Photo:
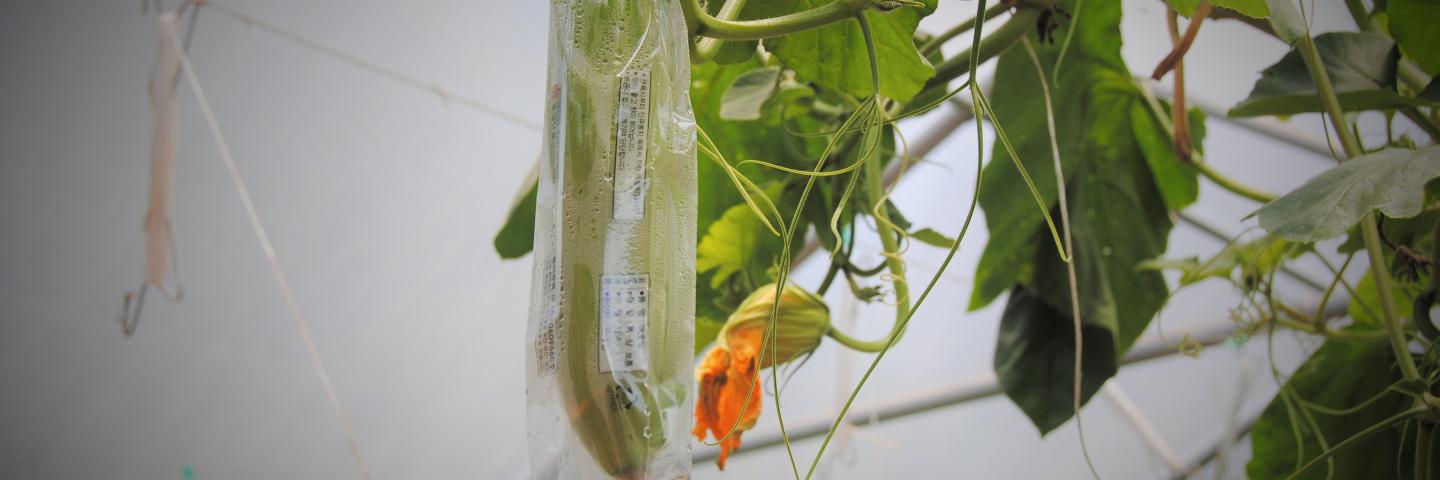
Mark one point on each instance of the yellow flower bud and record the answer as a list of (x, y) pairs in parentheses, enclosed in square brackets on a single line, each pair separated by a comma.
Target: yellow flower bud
[(802, 321)]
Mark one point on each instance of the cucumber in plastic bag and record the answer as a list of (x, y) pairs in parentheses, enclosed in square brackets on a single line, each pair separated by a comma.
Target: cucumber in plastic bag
[(611, 325)]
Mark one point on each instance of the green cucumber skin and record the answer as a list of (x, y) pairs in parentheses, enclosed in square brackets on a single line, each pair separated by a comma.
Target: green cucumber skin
[(626, 441)]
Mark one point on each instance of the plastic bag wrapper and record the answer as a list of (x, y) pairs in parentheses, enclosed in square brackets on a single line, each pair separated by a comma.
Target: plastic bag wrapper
[(611, 329)]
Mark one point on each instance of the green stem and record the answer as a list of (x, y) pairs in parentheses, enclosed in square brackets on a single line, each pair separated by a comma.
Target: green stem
[(1422, 450), (1361, 16), (706, 47), (1230, 184), (1379, 268), (934, 44), (929, 287), (889, 241), (1301, 323), (1328, 100), (1022, 22), (1413, 76), (703, 24), (1197, 159), (1320, 319), (1380, 271), (1359, 437)]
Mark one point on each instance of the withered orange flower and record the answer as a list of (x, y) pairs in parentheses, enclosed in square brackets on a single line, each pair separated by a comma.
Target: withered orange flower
[(726, 378), (727, 375)]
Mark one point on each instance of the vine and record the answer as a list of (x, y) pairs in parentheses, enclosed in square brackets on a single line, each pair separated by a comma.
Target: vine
[(811, 139)]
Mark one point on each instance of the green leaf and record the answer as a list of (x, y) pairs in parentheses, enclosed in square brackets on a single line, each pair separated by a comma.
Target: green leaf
[(1365, 306), (1119, 217), (1178, 183), (705, 332), (1185, 8), (737, 141), (1361, 66), (1117, 222), (1414, 231), (1413, 24), (792, 101), (835, 56), (1391, 181), (1013, 220), (1249, 8), (1286, 20), (1034, 359), (737, 243), (931, 237), (749, 93), (517, 237), (1340, 375), (1254, 259)]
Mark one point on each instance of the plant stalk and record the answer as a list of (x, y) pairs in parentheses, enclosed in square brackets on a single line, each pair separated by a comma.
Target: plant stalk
[(1379, 268), (1229, 184), (706, 47), (1423, 433), (934, 44), (1198, 159), (703, 24), (1020, 23), (875, 190), (1362, 17)]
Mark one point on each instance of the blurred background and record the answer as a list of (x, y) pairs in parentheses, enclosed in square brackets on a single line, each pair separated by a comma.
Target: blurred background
[(382, 199)]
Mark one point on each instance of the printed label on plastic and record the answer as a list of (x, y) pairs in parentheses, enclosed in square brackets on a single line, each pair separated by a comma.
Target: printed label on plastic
[(632, 120), (624, 304)]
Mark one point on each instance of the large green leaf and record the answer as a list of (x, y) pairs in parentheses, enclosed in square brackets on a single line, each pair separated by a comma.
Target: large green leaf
[(748, 94), (1250, 8), (1013, 221), (1391, 181), (1095, 98), (737, 243), (1365, 307), (517, 237), (1361, 67), (1034, 359), (1179, 185), (1414, 23), (1119, 214), (1340, 375), (835, 56)]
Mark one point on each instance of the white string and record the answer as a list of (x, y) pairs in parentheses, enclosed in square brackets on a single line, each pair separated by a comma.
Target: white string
[(264, 239), (402, 78)]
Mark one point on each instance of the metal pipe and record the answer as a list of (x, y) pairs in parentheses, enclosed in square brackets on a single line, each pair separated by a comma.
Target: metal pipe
[(949, 395)]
